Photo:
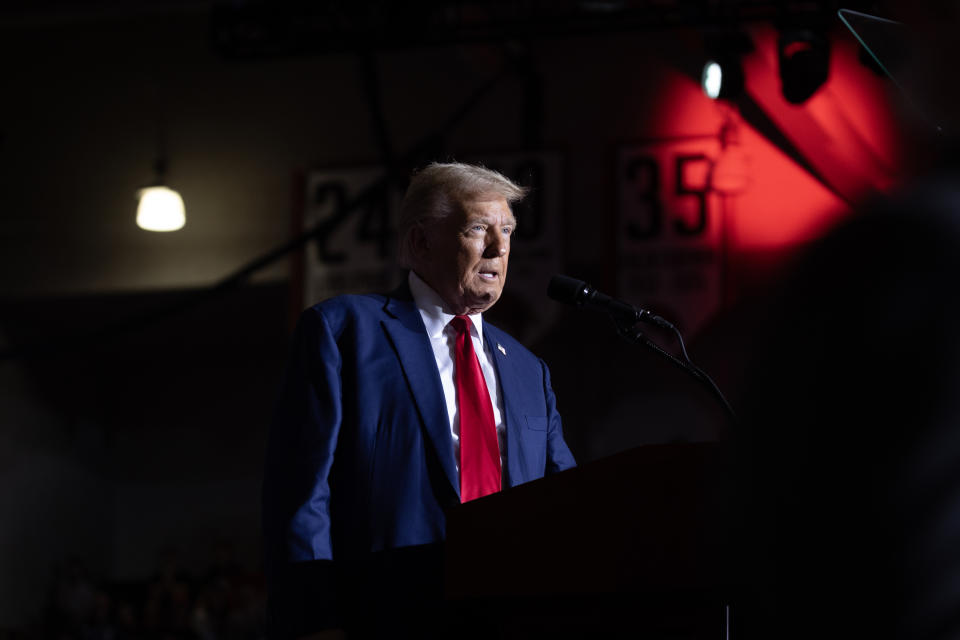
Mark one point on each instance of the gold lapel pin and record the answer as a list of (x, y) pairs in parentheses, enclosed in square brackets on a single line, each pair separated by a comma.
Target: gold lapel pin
[(502, 350)]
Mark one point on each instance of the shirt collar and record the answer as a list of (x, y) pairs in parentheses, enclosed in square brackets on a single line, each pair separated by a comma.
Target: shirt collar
[(431, 307)]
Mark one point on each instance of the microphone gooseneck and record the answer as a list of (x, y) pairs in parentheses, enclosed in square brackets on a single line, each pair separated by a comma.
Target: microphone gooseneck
[(580, 294)]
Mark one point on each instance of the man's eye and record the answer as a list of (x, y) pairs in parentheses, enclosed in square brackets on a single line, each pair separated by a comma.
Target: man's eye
[(507, 230)]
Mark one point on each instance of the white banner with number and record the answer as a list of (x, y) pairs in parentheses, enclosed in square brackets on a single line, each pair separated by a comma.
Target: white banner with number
[(670, 234), (356, 252)]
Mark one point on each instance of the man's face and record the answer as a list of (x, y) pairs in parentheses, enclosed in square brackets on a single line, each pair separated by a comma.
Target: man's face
[(464, 256)]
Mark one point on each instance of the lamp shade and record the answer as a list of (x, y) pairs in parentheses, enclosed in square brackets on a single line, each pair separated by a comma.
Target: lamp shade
[(160, 209)]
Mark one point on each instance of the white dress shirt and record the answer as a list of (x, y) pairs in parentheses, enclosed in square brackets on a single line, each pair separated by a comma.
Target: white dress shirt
[(443, 339)]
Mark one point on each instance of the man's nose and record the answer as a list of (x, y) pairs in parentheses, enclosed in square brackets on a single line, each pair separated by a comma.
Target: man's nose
[(497, 244)]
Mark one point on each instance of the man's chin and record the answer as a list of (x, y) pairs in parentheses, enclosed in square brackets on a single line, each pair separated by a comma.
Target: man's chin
[(483, 299)]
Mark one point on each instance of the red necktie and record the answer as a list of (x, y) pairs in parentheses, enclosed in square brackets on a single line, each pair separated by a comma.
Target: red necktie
[(479, 451)]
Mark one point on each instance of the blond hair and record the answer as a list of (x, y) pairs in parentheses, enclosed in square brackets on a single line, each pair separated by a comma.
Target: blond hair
[(440, 189)]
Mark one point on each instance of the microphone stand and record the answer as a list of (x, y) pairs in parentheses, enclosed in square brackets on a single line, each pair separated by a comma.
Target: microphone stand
[(627, 329)]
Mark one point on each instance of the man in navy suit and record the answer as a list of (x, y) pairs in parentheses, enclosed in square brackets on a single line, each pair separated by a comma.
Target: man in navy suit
[(365, 454)]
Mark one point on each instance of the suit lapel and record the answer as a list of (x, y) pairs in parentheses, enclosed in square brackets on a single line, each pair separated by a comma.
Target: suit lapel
[(513, 418), (406, 332)]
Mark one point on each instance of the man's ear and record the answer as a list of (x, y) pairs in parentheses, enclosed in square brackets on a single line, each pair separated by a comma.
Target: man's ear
[(419, 242)]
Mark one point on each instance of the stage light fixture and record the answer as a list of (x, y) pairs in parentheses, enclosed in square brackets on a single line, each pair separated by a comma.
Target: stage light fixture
[(804, 58), (712, 79), (722, 76)]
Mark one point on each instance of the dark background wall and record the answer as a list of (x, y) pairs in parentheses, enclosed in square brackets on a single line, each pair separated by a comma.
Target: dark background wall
[(118, 445)]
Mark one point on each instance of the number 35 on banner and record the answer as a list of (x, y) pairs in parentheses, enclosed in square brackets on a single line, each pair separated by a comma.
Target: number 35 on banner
[(670, 231)]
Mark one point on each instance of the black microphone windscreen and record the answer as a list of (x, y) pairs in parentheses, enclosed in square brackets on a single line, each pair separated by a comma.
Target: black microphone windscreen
[(566, 289)]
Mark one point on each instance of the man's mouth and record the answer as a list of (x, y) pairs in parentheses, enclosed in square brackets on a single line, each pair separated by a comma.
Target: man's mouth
[(488, 274)]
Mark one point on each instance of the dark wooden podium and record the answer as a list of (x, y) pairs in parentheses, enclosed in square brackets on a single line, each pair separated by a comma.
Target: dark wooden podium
[(635, 542)]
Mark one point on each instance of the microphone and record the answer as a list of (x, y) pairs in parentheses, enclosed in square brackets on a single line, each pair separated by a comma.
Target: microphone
[(580, 294)]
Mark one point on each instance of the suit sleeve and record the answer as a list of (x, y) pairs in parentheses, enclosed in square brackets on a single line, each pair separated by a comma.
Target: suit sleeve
[(558, 454), (296, 489)]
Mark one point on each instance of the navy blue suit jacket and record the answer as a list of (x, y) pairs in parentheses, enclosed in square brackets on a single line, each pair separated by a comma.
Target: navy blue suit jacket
[(360, 457)]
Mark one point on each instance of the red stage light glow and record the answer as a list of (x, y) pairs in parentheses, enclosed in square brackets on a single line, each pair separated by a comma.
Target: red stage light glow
[(776, 204)]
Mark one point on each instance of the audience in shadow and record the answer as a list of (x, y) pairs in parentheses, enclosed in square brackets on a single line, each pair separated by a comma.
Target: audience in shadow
[(225, 603)]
